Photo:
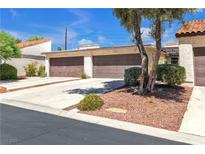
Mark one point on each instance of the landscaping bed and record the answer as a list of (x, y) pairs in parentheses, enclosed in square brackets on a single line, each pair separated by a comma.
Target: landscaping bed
[(163, 109)]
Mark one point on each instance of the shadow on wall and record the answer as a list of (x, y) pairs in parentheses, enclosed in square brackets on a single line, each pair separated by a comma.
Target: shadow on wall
[(107, 86)]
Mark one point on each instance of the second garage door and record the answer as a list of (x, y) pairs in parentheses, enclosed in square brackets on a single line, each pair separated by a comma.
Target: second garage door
[(113, 66), (199, 66), (66, 67)]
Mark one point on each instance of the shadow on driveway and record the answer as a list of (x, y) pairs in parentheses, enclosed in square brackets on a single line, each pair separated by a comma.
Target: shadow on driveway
[(107, 86)]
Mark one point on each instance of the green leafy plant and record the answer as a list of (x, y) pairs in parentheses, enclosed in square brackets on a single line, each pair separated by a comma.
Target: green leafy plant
[(90, 102), (172, 74), (41, 71), (7, 72), (35, 37), (83, 75), (30, 69), (8, 47), (131, 76)]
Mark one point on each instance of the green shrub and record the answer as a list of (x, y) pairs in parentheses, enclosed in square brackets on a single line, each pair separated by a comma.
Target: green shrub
[(131, 75), (90, 102), (7, 72), (172, 74), (41, 71), (30, 69), (83, 75)]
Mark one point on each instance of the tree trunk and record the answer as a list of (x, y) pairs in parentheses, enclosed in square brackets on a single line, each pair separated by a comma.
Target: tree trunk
[(144, 57), (153, 72)]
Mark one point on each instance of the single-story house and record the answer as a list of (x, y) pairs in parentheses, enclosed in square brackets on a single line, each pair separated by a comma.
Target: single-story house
[(191, 39), (31, 52), (107, 62), (172, 53)]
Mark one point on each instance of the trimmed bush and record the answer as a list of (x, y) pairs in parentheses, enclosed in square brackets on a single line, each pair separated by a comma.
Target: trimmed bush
[(41, 71), (172, 74), (30, 69), (7, 72), (83, 75), (131, 76), (90, 102)]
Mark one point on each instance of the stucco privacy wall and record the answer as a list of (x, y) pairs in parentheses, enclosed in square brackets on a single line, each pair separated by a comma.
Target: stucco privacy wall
[(19, 63), (37, 49), (186, 45)]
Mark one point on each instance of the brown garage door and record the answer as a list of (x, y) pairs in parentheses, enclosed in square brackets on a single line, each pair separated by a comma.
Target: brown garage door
[(66, 67), (199, 66), (113, 66)]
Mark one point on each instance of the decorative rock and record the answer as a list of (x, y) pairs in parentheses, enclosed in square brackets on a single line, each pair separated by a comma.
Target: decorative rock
[(116, 110), (3, 89)]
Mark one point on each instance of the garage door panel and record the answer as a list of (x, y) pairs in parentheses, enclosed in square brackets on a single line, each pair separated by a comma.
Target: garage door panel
[(199, 66), (66, 67), (66, 71), (200, 61), (117, 60), (200, 81), (114, 66), (200, 72)]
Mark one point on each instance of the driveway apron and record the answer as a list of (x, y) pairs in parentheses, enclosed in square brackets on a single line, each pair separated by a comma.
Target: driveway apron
[(62, 95)]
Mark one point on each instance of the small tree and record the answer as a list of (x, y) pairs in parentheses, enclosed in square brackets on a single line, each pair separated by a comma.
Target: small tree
[(8, 47), (131, 20), (35, 37), (17, 40), (59, 48)]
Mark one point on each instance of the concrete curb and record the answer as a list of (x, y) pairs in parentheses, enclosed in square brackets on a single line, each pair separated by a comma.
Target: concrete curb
[(127, 126), (40, 85)]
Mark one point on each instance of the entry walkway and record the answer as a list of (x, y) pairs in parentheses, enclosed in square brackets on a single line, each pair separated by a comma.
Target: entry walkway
[(194, 118)]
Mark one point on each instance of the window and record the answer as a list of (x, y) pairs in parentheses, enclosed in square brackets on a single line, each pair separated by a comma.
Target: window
[(174, 60)]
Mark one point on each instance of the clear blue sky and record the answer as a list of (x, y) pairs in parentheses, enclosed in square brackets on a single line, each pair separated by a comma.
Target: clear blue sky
[(85, 26)]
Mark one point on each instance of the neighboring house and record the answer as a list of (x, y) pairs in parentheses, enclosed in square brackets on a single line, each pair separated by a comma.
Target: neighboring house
[(172, 53), (109, 62), (191, 39), (30, 53)]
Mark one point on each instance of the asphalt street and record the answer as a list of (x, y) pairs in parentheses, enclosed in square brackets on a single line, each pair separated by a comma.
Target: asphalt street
[(21, 126)]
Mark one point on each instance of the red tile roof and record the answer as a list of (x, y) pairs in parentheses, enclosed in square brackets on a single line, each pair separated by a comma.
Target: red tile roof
[(31, 43), (195, 27)]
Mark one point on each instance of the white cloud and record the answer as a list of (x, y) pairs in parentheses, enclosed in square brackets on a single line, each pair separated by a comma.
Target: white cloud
[(82, 17), (86, 42), (101, 39), (146, 36), (145, 32)]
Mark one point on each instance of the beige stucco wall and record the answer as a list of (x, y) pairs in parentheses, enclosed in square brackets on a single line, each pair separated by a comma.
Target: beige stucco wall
[(88, 66), (186, 60), (196, 41), (19, 64), (186, 45)]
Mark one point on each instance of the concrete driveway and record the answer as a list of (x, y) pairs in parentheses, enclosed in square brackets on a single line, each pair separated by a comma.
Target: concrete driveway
[(12, 85), (62, 95), (194, 118)]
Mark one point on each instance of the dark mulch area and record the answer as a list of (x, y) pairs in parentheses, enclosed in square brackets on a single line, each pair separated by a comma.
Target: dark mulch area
[(164, 108)]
